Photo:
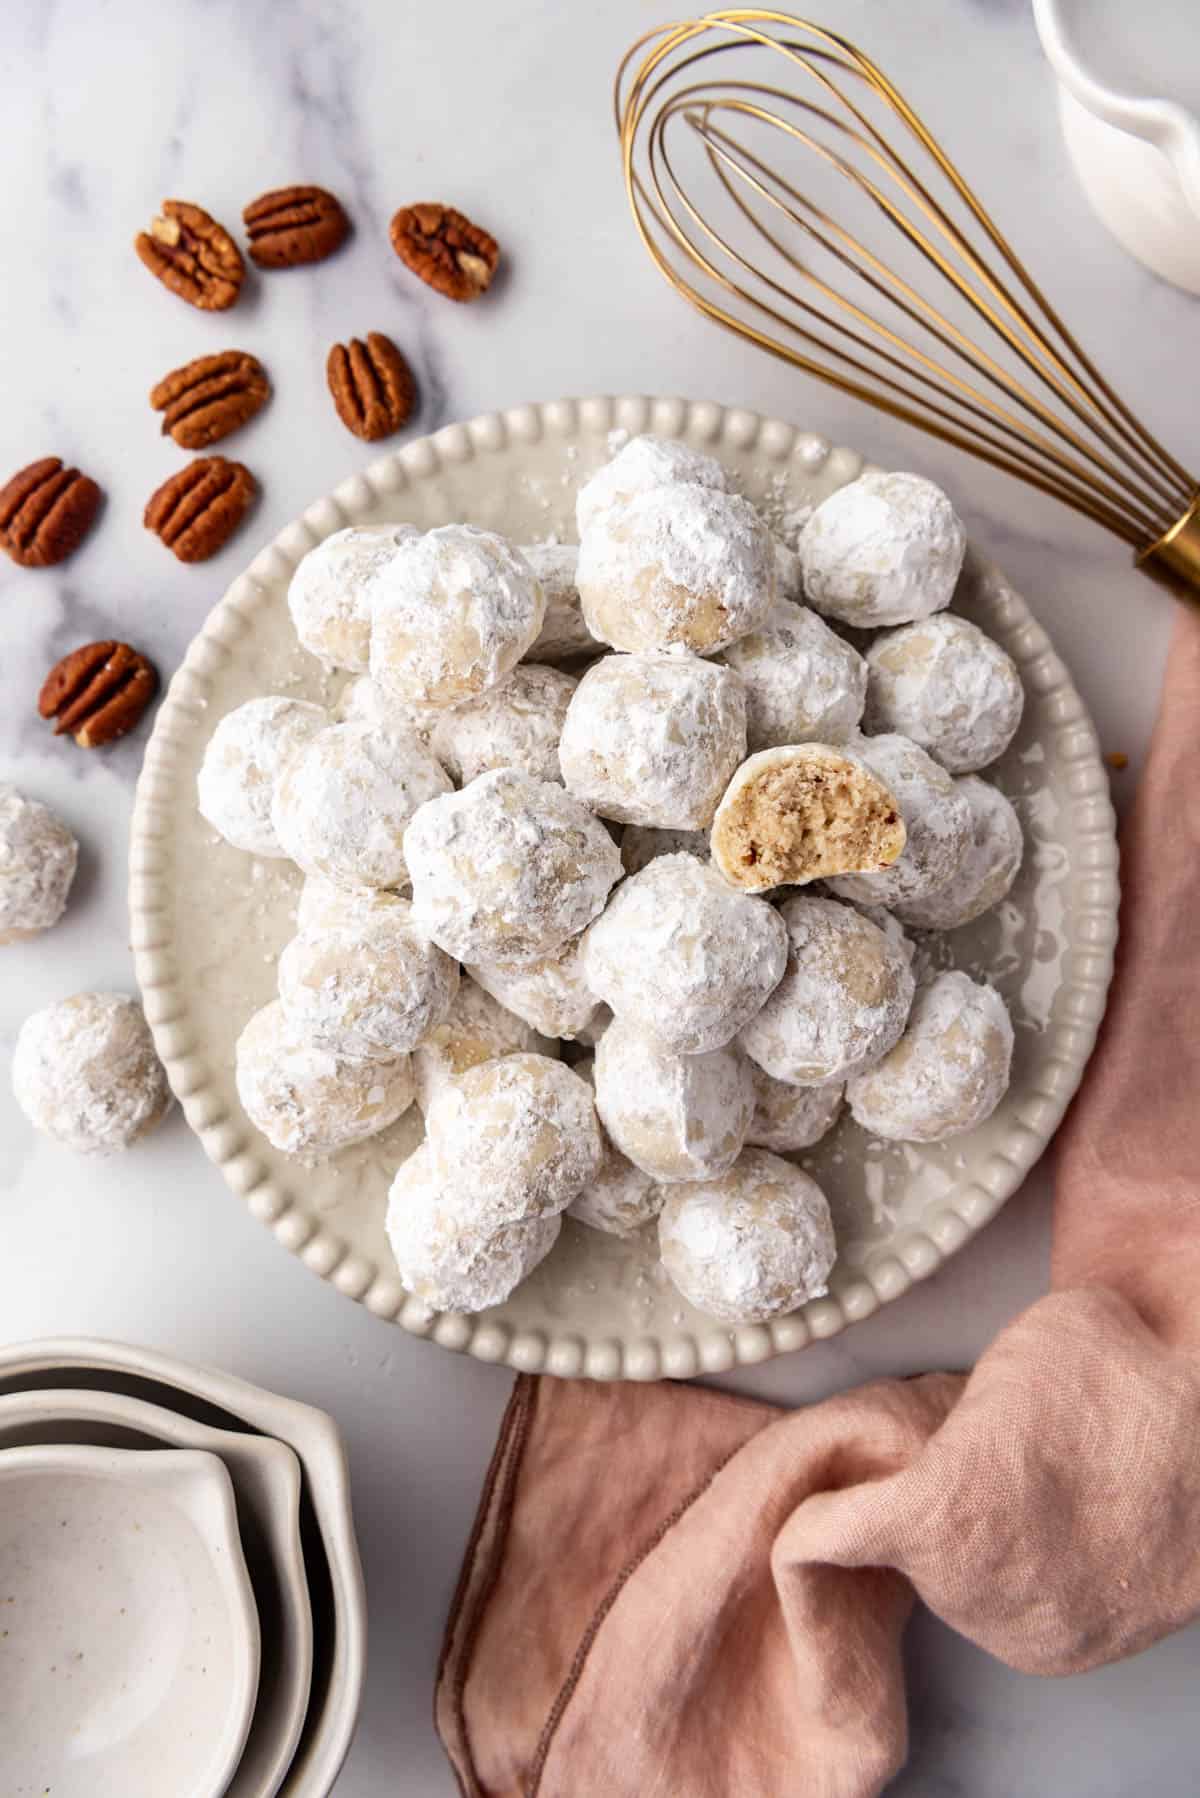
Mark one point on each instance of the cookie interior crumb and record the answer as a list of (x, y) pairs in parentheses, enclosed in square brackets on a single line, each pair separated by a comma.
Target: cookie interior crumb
[(802, 817)]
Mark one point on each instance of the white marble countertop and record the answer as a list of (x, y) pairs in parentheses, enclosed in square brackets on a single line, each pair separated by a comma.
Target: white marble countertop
[(501, 106)]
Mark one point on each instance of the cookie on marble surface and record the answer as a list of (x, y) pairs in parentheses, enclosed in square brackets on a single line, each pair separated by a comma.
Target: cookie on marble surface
[(85, 1072), (38, 858)]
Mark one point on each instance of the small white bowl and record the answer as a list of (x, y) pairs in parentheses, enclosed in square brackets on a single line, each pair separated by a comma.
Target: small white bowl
[(266, 1485), (1129, 104), (130, 1652), (334, 1571)]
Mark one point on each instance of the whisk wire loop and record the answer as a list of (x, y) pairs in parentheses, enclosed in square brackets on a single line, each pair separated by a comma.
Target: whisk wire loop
[(738, 232)]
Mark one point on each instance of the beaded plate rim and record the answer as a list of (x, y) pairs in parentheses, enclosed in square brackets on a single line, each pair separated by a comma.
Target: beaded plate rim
[(229, 1141)]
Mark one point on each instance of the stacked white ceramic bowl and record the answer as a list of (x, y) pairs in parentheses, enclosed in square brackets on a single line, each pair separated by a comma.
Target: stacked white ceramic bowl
[(181, 1601)]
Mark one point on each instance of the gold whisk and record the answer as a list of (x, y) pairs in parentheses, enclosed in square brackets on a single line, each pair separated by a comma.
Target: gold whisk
[(711, 152)]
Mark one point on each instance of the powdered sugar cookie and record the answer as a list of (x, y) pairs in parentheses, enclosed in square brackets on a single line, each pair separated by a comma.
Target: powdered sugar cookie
[(752, 1245), (786, 1117), (677, 1117), (309, 1100), (654, 739), (937, 824), (987, 870), (552, 995), (515, 725), (946, 685), (369, 986), (477, 1028), (327, 595), (639, 466), (564, 634), (619, 1199), (842, 1002), (508, 869), (517, 1138), (684, 957), (243, 761), (345, 799), (38, 857), (676, 567), (803, 683), (443, 1254), (85, 1072), (949, 1070), (885, 549), (452, 613)]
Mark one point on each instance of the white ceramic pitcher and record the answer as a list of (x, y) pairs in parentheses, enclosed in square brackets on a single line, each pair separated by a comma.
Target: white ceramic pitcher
[(1129, 99)]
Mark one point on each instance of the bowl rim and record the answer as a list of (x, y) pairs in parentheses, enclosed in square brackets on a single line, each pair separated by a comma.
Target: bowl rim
[(230, 1142), (198, 1486), (318, 1444), (277, 1480)]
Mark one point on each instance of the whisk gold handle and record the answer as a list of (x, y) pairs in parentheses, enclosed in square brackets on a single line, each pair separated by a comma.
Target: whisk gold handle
[(1175, 558)]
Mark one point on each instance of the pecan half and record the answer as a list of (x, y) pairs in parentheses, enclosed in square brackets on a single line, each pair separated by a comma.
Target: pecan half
[(46, 511), (198, 510), (98, 693), (372, 385), (445, 249), (295, 224), (207, 399), (192, 255)]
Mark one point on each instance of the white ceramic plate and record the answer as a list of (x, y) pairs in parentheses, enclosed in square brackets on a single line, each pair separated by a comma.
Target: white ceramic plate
[(130, 1649), (332, 1568), (208, 922), (266, 1487)]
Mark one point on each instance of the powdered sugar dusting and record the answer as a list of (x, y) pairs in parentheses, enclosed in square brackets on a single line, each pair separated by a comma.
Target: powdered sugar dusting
[(947, 686), (677, 1117), (682, 955), (38, 856), (751, 1245)]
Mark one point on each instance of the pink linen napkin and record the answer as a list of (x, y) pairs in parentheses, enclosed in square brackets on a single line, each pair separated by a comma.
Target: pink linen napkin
[(673, 1593)]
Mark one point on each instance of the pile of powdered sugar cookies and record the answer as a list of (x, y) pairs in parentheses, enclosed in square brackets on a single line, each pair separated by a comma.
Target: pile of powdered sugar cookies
[(611, 854)]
